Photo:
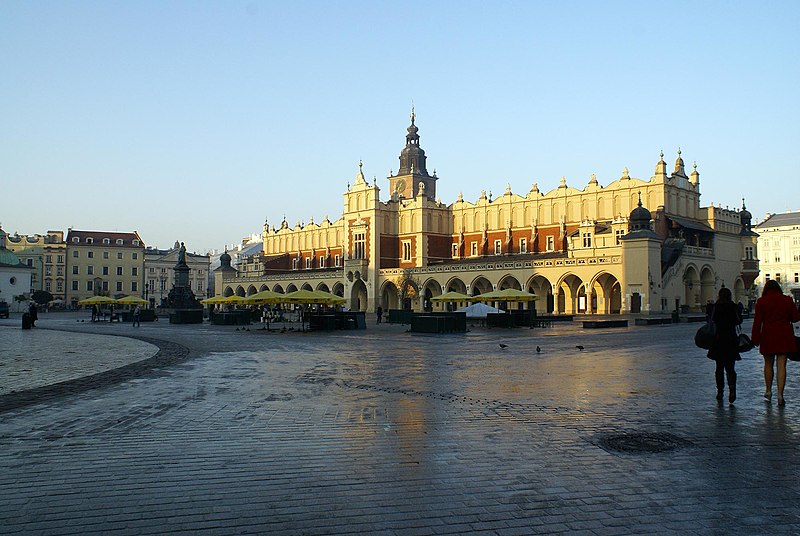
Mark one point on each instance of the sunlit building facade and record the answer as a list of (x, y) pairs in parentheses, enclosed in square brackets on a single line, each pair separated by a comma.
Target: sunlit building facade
[(46, 256), (103, 263), (591, 250), (779, 249)]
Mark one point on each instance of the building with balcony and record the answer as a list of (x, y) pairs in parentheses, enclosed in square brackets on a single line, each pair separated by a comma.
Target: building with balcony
[(160, 276), (588, 250), (779, 251), (103, 263)]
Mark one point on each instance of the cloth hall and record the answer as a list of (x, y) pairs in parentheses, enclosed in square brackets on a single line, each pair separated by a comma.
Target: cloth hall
[(631, 246)]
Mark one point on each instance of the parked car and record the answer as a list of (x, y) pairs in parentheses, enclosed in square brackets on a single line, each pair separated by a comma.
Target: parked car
[(3, 309)]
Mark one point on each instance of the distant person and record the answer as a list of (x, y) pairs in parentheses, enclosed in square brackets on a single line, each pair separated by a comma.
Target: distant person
[(725, 349), (137, 313), (379, 314), (94, 313), (774, 335), (34, 314)]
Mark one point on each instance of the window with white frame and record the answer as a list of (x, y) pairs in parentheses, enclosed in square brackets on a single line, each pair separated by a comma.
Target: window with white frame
[(308, 263), (337, 261), (551, 243), (119, 256), (295, 263), (75, 240), (60, 286), (119, 286), (523, 245), (135, 242), (796, 277), (454, 253), (90, 270), (74, 285), (134, 286), (90, 240), (473, 249), (119, 270), (106, 241), (748, 252), (105, 270), (619, 233), (587, 239), (75, 270), (75, 254), (105, 254), (360, 245), (134, 256), (406, 250), (498, 247), (119, 241), (90, 254), (89, 285), (322, 262)]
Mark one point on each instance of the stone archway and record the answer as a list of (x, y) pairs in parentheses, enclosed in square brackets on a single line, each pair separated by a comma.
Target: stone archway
[(509, 281), (306, 286), (456, 285), (323, 287), (390, 297), (691, 289), (240, 291), (251, 290), (543, 289), (277, 288), (358, 296), (430, 289), (228, 292), (480, 285), (570, 292), (338, 289), (708, 287), (606, 295), (290, 288)]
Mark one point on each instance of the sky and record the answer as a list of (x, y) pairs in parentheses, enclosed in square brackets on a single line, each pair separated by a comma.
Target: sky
[(199, 121)]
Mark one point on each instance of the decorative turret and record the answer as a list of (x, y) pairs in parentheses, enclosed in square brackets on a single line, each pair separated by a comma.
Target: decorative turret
[(694, 178), (747, 218), (679, 169), (661, 168), (640, 218)]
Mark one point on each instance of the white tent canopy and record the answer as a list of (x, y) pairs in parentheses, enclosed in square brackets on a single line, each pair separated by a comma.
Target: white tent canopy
[(479, 310)]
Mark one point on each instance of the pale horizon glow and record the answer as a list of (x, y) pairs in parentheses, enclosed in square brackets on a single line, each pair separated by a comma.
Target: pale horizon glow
[(198, 121)]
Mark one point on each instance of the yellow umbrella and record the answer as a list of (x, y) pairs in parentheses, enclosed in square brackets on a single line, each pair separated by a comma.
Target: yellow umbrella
[(451, 296), (265, 296), (330, 299), (303, 296), (233, 299), (508, 295), (214, 300), (132, 300), (97, 300)]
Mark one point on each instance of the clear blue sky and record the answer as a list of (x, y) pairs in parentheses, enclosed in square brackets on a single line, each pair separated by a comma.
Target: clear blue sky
[(196, 121)]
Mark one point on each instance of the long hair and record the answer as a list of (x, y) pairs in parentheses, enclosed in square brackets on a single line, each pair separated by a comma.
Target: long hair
[(771, 286), (724, 295)]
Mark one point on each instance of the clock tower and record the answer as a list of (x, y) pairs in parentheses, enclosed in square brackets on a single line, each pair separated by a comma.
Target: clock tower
[(412, 170)]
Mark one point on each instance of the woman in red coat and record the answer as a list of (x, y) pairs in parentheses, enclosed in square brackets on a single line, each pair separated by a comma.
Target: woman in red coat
[(773, 333)]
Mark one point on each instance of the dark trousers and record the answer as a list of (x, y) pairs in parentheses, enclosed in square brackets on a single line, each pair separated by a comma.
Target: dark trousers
[(725, 366)]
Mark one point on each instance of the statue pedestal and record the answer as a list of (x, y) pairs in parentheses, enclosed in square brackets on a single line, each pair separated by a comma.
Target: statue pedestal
[(186, 316)]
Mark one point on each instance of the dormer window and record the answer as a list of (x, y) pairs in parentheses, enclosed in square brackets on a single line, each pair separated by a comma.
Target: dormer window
[(119, 241), (135, 242), (106, 241), (90, 240), (75, 240)]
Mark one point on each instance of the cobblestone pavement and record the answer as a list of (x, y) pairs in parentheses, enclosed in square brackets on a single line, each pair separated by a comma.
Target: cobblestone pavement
[(385, 432)]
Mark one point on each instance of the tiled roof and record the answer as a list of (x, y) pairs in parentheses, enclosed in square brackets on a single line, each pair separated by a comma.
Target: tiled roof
[(98, 236), (787, 219)]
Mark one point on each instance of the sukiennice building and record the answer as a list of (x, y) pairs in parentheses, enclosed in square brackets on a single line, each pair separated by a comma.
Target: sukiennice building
[(632, 246)]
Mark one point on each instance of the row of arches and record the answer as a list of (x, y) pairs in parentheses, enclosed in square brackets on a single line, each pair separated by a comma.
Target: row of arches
[(338, 289), (568, 295)]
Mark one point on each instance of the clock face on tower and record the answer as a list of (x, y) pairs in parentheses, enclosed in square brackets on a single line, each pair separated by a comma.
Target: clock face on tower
[(401, 185)]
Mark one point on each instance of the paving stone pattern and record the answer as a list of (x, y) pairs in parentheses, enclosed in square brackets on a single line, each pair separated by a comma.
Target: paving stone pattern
[(385, 432)]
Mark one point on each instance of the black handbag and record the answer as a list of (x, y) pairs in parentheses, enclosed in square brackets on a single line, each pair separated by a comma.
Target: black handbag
[(707, 334), (795, 356), (745, 344)]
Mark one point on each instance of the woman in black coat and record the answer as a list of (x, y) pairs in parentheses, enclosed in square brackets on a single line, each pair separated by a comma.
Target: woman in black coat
[(725, 350)]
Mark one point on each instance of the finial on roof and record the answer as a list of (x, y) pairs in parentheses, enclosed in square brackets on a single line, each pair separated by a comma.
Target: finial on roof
[(460, 196), (640, 199), (413, 115), (662, 154), (508, 188), (625, 174), (593, 179)]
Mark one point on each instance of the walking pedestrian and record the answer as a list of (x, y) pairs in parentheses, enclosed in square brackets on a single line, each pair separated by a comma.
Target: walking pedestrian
[(94, 313), (379, 314), (137, 313), (725, 349), (34, 314), (774, 335)]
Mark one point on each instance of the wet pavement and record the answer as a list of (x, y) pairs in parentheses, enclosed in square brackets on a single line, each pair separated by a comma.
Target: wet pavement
[(386, 432)]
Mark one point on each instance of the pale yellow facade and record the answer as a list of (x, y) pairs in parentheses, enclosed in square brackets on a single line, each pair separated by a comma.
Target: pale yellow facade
[(571, 246), (103, 263)]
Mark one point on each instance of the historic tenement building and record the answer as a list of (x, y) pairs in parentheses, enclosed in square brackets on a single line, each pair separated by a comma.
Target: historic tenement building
[(779, 247), (639, 246), (103, 263), (46, 256)]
